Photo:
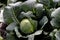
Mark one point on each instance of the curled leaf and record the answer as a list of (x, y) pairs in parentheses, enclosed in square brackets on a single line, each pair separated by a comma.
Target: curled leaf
[(11, 26)]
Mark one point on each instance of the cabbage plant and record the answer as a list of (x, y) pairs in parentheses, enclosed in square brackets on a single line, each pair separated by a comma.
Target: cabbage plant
[(30, 20)]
